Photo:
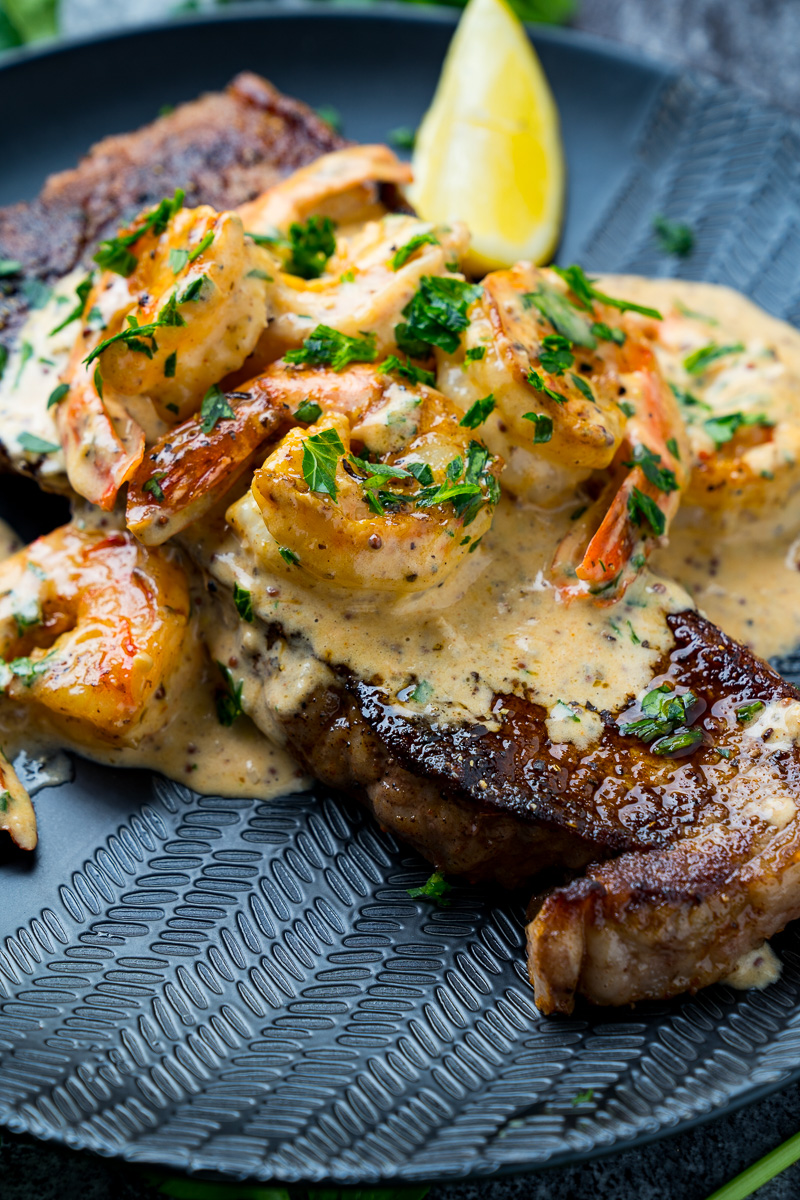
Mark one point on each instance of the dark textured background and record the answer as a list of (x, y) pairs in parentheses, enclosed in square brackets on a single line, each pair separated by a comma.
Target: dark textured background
[(756, 44)]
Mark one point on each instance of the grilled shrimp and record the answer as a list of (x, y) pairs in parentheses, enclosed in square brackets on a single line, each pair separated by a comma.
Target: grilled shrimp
[(345, 186), (570, 393), (17, 817), (91, 626)]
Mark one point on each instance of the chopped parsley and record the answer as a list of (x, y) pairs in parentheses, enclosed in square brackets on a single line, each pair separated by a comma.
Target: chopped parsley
[(372, 475), (136, 336), (627, 408), (409, 371), (36, 445), (57, 395), (674, 237), (661, 477), (115, 255), (746, 712), (436, 315), (435, 888), (98, 381), (402, 138), (153, 485), (321, 454), (475, 354), (229, 699), (178, 259), (722, 429), (28, 615), (215, 407), (583, 387), (681, 740), (36, 292), (583, 1097), (9, 266), (74, 314), (586, 293), (170, 363), (536, 381), (25, 356), (289, 556), (95, 319), (561, 711), (308, 411), (674, 448), (662, 713), (310, 246), (477, 413), (401, 256), (3, 359), (542, 426), (328, 348), (423, 691), (243, 601), (700, 360), (562, 315), (556, 354), (643, 508), (688, 400), (464, 485), (608, 333), (330, 115), (26, 669)]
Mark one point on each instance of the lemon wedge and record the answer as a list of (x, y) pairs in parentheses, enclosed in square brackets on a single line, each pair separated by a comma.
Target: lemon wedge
[(489, 149)]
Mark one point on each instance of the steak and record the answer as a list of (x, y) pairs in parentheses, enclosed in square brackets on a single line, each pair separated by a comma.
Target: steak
[(222, 149)]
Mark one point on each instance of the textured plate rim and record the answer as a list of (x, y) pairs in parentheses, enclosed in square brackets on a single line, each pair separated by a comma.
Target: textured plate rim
[(258, 11)]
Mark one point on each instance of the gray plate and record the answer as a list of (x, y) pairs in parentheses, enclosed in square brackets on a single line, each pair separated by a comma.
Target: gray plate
[(245, 987)]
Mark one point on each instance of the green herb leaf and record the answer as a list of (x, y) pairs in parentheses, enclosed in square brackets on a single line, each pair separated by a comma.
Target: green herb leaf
[(561, 314), (608, 333), (413, 374), (477, 413), (536, 381), (57, 395), (542, 427), (643, 508), (475, 354), (289, 556), (583, 1097), (722, 429), (243, 601), (36, 292), (178, 260), (311, 245), (556, 354), (153, 485), (9, 266), (435, 889), (308, 410), (674, 448), (170, 363), (26, 354), (36, 445), (229, 700), (674, 237), (436, 315), (627, 408), (328, 347), (661, 477), (98, 381), (401, 256), (82, 292), (215, 407), (321, 454), (700, 360), (422, 692), (746, 712), (331, 116), (421, 472), (663, 711), (402, 138), (583, 387), (586, 293), (115, 255), (681, 740)]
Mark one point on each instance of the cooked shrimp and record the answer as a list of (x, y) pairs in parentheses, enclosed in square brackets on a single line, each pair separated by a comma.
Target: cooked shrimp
[(345, 185), (16, 811), (390, 497), (91, 626)]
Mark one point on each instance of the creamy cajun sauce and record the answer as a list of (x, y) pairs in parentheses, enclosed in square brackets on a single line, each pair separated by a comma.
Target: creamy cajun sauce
[(495, 626)]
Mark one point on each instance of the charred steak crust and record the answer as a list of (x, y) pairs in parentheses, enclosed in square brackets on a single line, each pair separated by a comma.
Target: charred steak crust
[(618, 794), (222, 149)]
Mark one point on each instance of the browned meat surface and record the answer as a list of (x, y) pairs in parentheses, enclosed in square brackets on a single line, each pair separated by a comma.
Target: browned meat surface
[(222, 149), (711, 861)]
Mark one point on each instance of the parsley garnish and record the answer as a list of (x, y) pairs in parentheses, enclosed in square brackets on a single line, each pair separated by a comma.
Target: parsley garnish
[(746, 712), (57, 395), (215, 407), (642, 507), (561, 314), (682, 740), (583, 1097), (583, 387), (310, 245), (170, 363), (28, 616), (436, 315), (244, 603), (114, 253), (9, 266), (25, 355), (477, 413), (26, 669), (674, 449), (688, 399), (229, 701), (308, 411), (330, 115), (556, 354), (36, 292), (536, 381), (372, 475), (663, 711), (328, 348), (402, 138), (586, 293), (153, 485), (82, 292), (475, 354), (36, 445), (627, 408), (178, 260), (675, 237), (401, 256), (608, 333), (321, 454), (722, 429), (137, 336), (435, 889), (700, 360), (661, 477), (409, 371), (98, 381), (289, 556), (465, 494), (542, 426), (423, 691), (3, 359)]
